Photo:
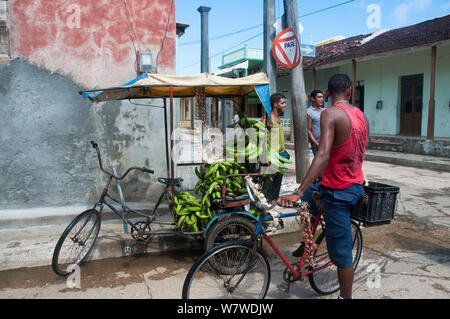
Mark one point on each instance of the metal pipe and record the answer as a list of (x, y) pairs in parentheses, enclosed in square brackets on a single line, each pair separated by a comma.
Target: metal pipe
[(167, 138), (171, 143), (204, 53)]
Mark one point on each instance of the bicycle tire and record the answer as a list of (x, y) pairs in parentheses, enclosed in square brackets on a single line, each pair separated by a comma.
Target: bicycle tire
[(231, 227), (205, 281), (71, 251), (325, 281)]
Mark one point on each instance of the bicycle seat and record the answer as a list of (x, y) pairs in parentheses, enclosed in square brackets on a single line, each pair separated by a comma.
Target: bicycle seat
[(168, 181), (230, 198), (239, 197)]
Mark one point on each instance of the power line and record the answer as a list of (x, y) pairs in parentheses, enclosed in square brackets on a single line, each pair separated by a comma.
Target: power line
[(132, 26), (260, 25), (324, 9), (255, 36), (251, 38), (219, 53), (165, 34), (222, 36)]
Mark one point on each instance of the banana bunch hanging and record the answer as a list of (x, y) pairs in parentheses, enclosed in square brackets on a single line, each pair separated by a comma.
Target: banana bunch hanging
[(255, 149)]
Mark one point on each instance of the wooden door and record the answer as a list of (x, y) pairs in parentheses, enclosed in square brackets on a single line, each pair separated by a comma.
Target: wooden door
[(411, 105)]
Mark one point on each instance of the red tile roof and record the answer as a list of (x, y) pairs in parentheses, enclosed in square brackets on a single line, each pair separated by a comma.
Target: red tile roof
[(424, 33)]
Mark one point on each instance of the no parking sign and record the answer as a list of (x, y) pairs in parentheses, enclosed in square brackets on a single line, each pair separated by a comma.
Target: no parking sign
[(286, 49)]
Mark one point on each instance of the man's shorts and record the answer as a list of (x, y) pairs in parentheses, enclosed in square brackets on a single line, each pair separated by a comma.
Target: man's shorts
[(338, 231)]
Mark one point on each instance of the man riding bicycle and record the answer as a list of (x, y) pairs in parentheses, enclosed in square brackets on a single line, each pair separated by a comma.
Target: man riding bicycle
[(344, 135)]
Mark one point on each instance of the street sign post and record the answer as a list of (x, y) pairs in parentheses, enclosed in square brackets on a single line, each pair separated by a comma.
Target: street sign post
[(286, 49)]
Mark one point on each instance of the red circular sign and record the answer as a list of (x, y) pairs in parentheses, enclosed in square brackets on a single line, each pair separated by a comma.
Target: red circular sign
[(286, 49)]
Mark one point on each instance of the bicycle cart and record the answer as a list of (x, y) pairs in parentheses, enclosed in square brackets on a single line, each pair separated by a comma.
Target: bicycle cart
[(229, 221)]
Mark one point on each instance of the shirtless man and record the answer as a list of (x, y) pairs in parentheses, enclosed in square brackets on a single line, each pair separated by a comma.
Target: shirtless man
[(344, 132)]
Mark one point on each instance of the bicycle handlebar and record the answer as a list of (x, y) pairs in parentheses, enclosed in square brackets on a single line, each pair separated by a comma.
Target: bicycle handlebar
[(143, 169), (147, 170), (260, 206)]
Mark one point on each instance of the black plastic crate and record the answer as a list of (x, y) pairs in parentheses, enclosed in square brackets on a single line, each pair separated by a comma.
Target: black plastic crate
[(378, 204)]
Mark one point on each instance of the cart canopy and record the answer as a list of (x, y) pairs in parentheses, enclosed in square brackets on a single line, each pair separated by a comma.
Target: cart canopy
[(159, 85)]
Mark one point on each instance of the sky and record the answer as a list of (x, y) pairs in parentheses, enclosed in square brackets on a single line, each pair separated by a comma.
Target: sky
[(234, 23)]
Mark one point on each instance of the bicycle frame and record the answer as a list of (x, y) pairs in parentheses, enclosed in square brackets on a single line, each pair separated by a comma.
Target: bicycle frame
[(299, 271), (105, 195), (296, 272)]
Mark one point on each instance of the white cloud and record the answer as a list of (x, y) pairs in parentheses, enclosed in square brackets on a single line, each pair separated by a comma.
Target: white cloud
[(404, 9)]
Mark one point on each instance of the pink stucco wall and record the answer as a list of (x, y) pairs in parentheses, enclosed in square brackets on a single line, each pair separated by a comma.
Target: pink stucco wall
[(89, 40)]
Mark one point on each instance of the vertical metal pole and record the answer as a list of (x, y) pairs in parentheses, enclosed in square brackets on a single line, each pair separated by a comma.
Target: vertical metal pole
[(204, 53), (122, 202), (171, 142), (270, 66), (167, 138), (431, 103)]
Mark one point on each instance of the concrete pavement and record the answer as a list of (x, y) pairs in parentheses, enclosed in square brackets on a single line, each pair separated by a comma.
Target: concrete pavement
[(385, 271), (407, 259)]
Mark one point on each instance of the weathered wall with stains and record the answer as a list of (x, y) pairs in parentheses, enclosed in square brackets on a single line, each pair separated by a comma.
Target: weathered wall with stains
[(90, 41), (46, 159)]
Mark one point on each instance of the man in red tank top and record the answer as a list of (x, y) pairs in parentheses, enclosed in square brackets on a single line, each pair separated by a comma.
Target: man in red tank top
[(343, 140)]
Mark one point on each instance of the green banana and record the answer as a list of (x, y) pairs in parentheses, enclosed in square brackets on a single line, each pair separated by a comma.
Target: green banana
[(259, 124), (285, 160), (212, 170), (197, 172), (213, 185), (236, 184), (184, 212), (181, 221), (194, 223)]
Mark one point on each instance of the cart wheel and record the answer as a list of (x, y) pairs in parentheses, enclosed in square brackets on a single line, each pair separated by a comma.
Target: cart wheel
[(230, 228)]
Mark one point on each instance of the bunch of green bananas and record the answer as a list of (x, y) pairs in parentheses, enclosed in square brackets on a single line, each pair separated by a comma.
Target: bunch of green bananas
[(191, 215), (212, 181), (277, 160), (254, 150)]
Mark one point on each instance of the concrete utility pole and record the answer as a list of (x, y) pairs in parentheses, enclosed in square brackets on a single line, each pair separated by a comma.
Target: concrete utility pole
[(298, 100), (270, 66), (204, 54)]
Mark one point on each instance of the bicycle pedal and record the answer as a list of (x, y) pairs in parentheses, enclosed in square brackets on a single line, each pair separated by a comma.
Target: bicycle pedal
[(284, 287), (127, 249)]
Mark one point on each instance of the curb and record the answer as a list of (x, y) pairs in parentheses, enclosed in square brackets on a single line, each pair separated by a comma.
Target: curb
[(404, 161), (34, 246)]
